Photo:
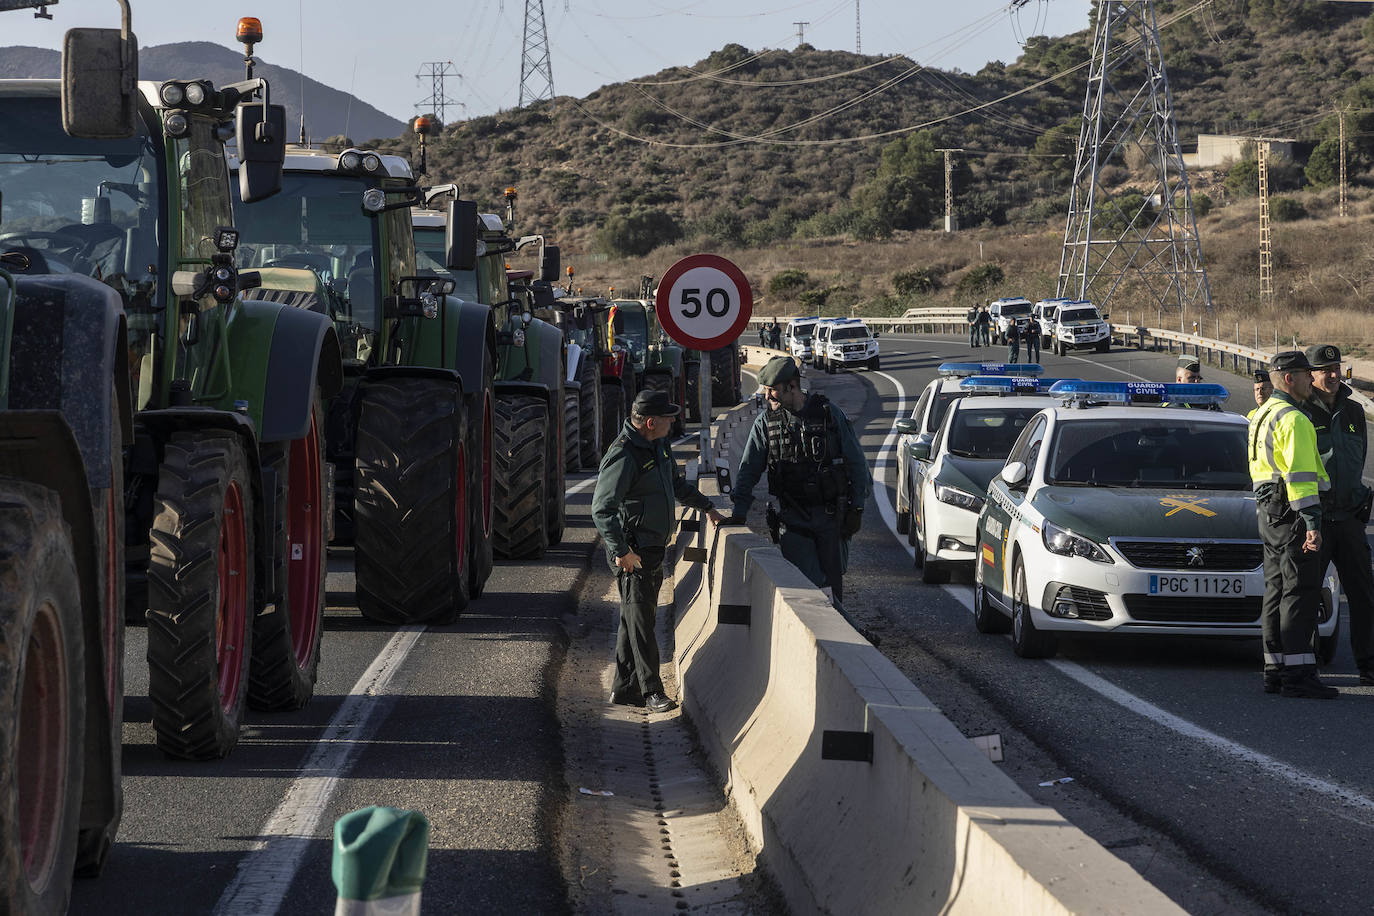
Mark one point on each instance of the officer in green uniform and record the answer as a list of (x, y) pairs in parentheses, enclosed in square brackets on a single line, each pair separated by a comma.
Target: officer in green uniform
[(816, 471), (1188, 370), (1342, 441), (1288, 477), (633, 508)]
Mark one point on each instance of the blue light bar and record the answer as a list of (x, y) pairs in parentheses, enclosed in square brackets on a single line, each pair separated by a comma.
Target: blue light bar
[(1004, 384), (1197, 395), (963, 370)]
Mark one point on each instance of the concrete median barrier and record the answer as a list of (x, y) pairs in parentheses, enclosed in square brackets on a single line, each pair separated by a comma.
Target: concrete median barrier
[(858, 794)]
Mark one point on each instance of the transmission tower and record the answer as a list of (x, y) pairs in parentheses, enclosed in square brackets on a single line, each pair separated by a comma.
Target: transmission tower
[(1127, 106), (858, 35), (438, 101), (536, 73), (801, 32)]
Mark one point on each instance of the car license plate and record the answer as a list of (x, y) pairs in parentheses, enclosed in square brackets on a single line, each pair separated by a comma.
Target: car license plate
[(1203, 586)]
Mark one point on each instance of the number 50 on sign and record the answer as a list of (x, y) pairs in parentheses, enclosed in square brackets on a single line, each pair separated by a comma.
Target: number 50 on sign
[(704, 302)]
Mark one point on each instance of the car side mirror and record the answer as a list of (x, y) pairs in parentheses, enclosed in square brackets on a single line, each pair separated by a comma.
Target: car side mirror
[(460, 235), (1014, 474), (920, 449), (877, 334), (260, 131), (99, 84), (1106, 315), (907, 426)]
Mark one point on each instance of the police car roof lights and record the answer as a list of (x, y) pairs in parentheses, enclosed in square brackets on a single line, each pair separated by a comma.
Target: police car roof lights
[(963, 370), (1196, 395), (1004, 384)]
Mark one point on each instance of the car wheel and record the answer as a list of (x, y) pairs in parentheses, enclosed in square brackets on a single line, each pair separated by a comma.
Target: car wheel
[(986, 618), (1104, 345), (914, 539), (1026, 640)]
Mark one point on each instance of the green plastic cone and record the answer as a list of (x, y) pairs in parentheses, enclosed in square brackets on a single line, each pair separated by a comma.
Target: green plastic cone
[(379, 861)]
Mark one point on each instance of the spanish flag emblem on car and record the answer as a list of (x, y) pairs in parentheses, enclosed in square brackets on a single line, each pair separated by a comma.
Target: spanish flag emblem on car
[(988, 556)]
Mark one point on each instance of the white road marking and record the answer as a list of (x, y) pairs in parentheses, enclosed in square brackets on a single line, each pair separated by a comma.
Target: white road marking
[(581, 485), (1349, 804), (265, 875)]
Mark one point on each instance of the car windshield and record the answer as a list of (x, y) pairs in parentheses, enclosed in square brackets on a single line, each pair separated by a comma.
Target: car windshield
[(1079, 315), (1048, 312), (1016, 310), (986, 433), (1165, 452), (429, 261), (849, 333), (803, 331)]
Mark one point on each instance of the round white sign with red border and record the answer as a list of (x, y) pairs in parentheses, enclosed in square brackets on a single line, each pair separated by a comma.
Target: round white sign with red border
[(704, 302)]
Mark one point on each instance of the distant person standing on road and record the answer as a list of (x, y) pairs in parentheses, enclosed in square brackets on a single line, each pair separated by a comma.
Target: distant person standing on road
[(1342, 442), (1032, 335), (816, 470), (633, 508), (985, 326), (972, 319), (774, 333), (1013, 342), (1288, 476), (1188, 371), (1263, 389)]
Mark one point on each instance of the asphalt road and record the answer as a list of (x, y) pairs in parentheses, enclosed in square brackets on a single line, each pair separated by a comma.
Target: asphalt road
[(1229, 799)]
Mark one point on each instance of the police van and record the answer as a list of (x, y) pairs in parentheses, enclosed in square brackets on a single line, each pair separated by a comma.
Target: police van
[(846, 343), (1113, 514), (1007, 312), (1078, 326), (1044, 312), (800, 332)]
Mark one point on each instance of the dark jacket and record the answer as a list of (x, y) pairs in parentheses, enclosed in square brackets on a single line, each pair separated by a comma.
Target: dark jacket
[(1342, 442), (633, 505)]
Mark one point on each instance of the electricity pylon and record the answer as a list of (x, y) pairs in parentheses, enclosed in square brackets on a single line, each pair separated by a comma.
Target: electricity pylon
[(438, 101), (1127, 106), (536, 73)]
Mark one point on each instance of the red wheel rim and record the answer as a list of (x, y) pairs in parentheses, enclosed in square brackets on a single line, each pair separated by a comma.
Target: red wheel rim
[(460, 509), (304, 541), (231, 619), (42, 746), (112, 615), (488, 457)]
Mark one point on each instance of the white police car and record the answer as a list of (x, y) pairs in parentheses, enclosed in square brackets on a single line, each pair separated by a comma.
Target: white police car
[(800, 332), (847, 344), (949, 477), (1078, 326), (930, 410), (1007, 312), (1044, 313), (1110, 517)]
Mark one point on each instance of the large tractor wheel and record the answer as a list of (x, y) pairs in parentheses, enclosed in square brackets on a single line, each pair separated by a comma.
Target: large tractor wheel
[(519, 530), (555, 486), (572, 428), (612, 414), (589, 436), (286, 638), (200, 594), (482, 498), (42, 702), (411, 505)]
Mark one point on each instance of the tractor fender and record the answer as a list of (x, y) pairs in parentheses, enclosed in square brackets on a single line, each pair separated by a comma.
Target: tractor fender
[(546, 341), (475, 346), (533, 389), (291, 377), (73, 341), (394, 372)]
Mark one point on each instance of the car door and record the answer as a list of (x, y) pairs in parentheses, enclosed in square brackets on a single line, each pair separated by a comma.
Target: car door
[(1001, 518), (920, 475), (904, 458)]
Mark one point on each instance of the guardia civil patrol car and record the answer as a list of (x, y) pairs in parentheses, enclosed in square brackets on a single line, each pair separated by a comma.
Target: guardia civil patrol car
[(930, 410), (1078, 326), (948, 478), (1113, 517)]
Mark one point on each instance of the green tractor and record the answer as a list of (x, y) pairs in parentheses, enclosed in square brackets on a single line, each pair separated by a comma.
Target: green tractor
[(157, 445), (530, 454), (413, 434), (658, 362), (605, 393)]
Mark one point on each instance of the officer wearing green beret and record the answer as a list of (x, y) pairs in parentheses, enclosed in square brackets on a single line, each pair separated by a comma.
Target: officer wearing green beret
[(1342, 442), (816, 471), (633, 508), (1188, 370)]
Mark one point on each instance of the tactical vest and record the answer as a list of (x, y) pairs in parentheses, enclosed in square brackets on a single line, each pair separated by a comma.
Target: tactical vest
[(805, 464)]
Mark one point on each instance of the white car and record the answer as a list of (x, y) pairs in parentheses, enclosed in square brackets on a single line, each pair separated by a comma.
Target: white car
[(1079, 326), (1044, 312), (798, 338), (1006, 312), (949, 477), (1110, 517), (847, 344), (930, 410), (818, 340)]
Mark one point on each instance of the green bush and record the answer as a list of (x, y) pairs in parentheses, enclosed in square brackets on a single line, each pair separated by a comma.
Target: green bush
[(1202, 205), (636, 234), (980, 280), (813, 300), (1324, 165), (788, 282), (724, 225), (917, 281), (1286, 210)]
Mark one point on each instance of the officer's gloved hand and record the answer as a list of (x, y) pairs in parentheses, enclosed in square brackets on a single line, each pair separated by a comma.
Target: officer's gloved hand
[(853, 521)]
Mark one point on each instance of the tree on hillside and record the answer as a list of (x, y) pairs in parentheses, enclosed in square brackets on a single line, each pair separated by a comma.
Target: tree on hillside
[(1056, 148), (908, 190)]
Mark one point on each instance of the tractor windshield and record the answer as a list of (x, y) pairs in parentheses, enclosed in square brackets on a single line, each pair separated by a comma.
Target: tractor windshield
[(429, 260), (631, 329)]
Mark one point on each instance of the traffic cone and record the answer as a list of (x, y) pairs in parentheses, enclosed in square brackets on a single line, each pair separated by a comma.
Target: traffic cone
[(379, 861)]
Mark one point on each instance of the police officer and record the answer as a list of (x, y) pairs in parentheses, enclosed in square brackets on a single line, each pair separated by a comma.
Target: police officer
[(816, 471), (1288, 477), (1188, 371), (1013, 342), (984, 326), (1263, 389), (972, 318), (774, 333), (1342, 442), (1031, 333), (633, 508)]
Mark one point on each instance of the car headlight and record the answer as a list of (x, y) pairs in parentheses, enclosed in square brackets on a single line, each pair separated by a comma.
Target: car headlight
[(1064, 542), (957, 497)]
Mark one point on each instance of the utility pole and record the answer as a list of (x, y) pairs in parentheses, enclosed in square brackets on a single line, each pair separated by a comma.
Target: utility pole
[(949, 188), (858, 43), (801, 32), (438, 103), (1127, 105), (1340, 117), (536, 73), (1266, 249)]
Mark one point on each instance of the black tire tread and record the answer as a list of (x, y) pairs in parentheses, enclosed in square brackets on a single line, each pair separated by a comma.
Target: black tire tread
[(572, 428), (519, 528)]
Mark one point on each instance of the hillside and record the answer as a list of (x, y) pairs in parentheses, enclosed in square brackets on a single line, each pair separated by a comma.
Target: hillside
[(329, 112)]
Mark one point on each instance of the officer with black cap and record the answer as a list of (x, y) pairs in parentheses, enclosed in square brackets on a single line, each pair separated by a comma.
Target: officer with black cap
[(633, 508), (816, 471), (1342, 441), (1289, 477)]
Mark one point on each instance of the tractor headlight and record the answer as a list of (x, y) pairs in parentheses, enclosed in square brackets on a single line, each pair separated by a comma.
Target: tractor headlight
[(1065, 543), (195, 94), (176, 124), (172, 94), (372, 162), (349, 160), (374, 199)]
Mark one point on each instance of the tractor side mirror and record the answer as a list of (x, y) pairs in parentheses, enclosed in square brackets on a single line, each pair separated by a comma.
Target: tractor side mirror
[(551, 263), (460, 235), (99, 84), (260, 131)]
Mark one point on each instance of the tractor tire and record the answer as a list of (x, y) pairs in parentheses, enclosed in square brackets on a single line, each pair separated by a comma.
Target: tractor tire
[(42, 701), (410, 504), (555, 486), (612, 415), (481, 495), (286, 638), (200, 594), (590, 438), (519, 529), (692, 407), (572, 429)]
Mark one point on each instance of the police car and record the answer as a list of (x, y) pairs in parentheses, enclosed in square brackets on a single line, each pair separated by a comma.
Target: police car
[(799, 335), (1007, 312), (1078, 326), (930, 410), (847, 344), (1112, 517), (949, 477), (1044, 313)]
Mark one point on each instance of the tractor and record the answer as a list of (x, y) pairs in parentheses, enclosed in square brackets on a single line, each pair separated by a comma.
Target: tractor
[(657, 361), (600, 403)]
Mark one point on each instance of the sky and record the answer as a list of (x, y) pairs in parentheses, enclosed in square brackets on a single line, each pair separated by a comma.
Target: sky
[(354, 46)]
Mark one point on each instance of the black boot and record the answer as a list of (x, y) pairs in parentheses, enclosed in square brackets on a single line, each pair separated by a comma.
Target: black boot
[(1304, 684), (1273, 679)]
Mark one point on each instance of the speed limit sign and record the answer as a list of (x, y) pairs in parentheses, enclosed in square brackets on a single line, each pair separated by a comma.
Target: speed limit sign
[(704, 302)]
